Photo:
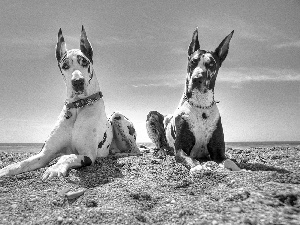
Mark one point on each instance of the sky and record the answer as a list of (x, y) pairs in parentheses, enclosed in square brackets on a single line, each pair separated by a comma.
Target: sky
[(140, 59)]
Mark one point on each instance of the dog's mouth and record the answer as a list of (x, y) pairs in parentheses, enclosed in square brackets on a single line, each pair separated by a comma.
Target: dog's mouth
[(78, 86), (199, 84), (78, 92)]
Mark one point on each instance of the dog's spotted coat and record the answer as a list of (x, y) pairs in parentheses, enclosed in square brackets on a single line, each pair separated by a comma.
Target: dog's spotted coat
[(194, 131), (83, 132)]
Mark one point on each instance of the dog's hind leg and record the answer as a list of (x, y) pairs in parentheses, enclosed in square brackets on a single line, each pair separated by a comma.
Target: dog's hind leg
[(124, 136), (156, 132)]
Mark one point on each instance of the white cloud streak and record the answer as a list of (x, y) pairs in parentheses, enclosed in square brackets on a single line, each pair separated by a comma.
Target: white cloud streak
[(245, 75), (293, 44), (241, 75)]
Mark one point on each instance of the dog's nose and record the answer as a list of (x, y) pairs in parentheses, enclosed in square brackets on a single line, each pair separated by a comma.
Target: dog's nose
[(198, 80), (78, 84)]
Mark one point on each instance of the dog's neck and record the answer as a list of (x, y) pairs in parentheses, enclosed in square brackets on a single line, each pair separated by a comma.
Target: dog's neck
[(199, 99), (85, 101)]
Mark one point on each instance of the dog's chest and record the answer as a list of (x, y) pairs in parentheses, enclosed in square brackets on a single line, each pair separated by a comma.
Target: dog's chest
[(201, 124)]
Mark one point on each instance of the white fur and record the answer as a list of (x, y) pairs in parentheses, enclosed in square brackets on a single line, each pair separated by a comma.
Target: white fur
[(201, 99)]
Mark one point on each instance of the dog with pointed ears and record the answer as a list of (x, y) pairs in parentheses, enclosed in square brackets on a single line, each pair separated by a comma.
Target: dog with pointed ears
[(83, 132), (194, 132)]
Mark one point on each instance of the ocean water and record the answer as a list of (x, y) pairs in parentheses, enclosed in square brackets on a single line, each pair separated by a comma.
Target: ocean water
[(21, 147), (36, 147)]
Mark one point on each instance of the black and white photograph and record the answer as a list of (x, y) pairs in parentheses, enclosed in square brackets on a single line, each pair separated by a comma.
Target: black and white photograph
[(150, 112)]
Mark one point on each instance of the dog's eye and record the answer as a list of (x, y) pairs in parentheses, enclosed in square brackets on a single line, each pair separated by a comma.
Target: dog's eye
[(194, 61), (210, 65), (65, 66), (84, 62)]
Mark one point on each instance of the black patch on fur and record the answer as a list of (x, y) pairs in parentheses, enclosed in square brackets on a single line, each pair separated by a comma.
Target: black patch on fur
[(117, 117), (173, 132), (204, 116), (131, 130), (185, 138), (107, 146), (103, 140), (86, 161), (216, 145)]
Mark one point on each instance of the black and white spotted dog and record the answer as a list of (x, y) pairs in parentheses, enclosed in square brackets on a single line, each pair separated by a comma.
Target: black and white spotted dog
[(194, 131), (83, 132)]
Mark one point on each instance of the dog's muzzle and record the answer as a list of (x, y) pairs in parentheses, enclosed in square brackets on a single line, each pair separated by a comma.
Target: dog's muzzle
[(78, 85), (77, 81), (199, 81)]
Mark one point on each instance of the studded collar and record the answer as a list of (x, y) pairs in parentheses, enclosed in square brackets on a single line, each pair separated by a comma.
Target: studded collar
[(185, 98), (85, 101), (81, 103)]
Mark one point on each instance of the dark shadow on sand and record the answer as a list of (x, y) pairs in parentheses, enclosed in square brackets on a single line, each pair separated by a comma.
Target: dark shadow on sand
[(261, 167), (104, 170)]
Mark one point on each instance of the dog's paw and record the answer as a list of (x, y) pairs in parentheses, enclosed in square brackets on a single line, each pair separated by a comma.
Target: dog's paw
[(230, 165), (160, 153), (135, 150), (57, 170), (196, 169)]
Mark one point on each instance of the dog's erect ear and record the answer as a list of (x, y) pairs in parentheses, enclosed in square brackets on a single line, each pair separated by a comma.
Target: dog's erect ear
[(85, 45), (194, 45), (222, 49), (61, 48)]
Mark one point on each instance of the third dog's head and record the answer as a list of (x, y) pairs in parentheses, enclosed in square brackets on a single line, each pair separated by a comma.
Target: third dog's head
[(77, 67), (203, 66)]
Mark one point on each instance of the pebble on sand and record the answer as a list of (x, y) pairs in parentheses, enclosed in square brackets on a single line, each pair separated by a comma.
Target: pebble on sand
[(59, 219), (236, 209), (75, 194), (63, 192)]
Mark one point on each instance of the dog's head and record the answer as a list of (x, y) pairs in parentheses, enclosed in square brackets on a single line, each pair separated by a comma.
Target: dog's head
[(203, 66), (77, 67)]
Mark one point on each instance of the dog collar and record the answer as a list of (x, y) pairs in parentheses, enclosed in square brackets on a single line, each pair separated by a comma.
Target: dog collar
[(199, 106), (82, 102)]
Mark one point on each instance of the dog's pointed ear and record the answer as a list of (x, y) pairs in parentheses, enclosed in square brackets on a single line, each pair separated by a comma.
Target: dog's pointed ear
[(85, 45), (61, 47), (222, 49), (194, 45)]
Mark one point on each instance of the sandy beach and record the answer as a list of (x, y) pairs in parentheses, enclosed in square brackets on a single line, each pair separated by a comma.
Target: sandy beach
[(146, 190)]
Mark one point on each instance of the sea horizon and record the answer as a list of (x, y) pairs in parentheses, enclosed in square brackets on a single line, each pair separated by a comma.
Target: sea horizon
[(36, 147)]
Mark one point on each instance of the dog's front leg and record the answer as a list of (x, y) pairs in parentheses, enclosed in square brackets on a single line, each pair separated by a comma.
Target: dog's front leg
[(65, 163), (185, 141), (185, 160), (216, 149), (83, 152), (56, 141), (32, 163)]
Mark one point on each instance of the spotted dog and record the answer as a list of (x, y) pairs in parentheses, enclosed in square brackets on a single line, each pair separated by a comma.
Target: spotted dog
[(194, 132), (83, 132)]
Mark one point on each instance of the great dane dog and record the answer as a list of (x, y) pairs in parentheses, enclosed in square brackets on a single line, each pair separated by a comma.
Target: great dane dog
[(194, 131), (83, 132)]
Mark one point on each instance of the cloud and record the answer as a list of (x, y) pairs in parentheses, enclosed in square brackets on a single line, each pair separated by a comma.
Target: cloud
[(236, 76), (259, 32), (172, 83), (291, 44), (170, 79), (246, 75)]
